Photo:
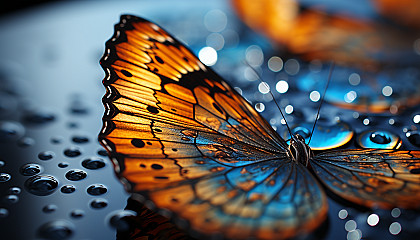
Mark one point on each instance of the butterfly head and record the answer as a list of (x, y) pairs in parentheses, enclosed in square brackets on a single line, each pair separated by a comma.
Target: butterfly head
[(299, 150)]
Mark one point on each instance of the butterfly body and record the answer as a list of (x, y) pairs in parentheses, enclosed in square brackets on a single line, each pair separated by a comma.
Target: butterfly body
[(182, 138)]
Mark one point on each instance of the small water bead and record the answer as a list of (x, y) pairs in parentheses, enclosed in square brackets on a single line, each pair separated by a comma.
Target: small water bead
[(63, 164), (103, 152), (1, 163), (56, 140), (39, 117), (96, 189), (4, 177), (26, 142), (93, 163), (15, 190), (72, 152), (10, 131), (379, 139), (413, 137), (77, 213), (11, 199), (49, 208), (342, 214), (79, 108), (41, 185), (120, 219), (396, 212), (373, 219), (57, 229), (80, 139), (68, 189), (350, 225), (4, 212), (98, 203), (76, 175), (30, 169), (354, 235), (416, 118), (47, 155)]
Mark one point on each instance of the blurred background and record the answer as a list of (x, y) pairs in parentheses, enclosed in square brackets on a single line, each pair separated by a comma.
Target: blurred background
[(56, 181)]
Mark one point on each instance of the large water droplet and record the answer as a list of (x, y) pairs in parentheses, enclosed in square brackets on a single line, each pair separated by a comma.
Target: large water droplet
[(4, 177), (98, 203), (93, 163), (10, 131), (58, 229), (41, 185), (68, 189), (97, 189), (378, 139), (76, 175), (30, 169), (72, 152)]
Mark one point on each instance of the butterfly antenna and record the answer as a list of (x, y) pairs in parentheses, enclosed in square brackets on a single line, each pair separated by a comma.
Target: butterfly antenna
[(271, 93), (322, 99)]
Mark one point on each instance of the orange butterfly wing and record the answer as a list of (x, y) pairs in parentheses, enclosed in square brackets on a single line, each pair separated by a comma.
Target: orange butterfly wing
[(373, 178), (180, 136)]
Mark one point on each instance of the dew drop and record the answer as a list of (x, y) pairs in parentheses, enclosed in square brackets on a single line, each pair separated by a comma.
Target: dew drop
[(47, 155), (93, 163), (98, 203), (57, 229), (15, 190), (68, 189), (373, 219), (4, 212), (30, 169), (96, 189), (342, 214), (4, 177), (41, 185), (56, 140), (414, 138), (10, 131), (26, 142), (395, 228), (72, 152), (76, 175), (102, 152), (39, 117), (138, 143), (11, 199), (80, 139), (77, 213), (63, 164), (396, 212), (49, 208)]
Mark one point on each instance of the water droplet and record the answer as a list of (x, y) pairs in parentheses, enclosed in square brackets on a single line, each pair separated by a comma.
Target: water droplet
[(49, 208), (10, 131), (282, 86), (103, 152), (77, 213), (79, 108), (26, 142), (47, 155), (76, 175), (98, 203), (275, 64), (416, 118), (68, 189), (396, 212), (11, 199), (121, 220), (41, 185), (1, 163), (56, 140), (413, 137), (80, 139), (72, 152), (350, 225), (4, 177), (63, 164), (58, 229), (15, 190), (93, 163), (30, 169), (342, 214), (97, 189), (379, 137), (4, 212), (38, 117)]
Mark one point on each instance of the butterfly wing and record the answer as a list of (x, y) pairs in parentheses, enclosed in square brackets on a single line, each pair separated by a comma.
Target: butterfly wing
[(182, 137), (372, 177)]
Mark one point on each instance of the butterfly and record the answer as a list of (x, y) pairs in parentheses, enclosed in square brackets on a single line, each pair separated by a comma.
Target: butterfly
[(183, 140)]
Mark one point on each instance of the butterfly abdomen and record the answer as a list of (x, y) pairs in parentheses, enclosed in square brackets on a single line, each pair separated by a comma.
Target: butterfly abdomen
[(299, 151)]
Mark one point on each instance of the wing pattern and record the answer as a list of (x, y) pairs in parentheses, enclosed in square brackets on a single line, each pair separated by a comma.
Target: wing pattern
[(183, 138), (373, 178)]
